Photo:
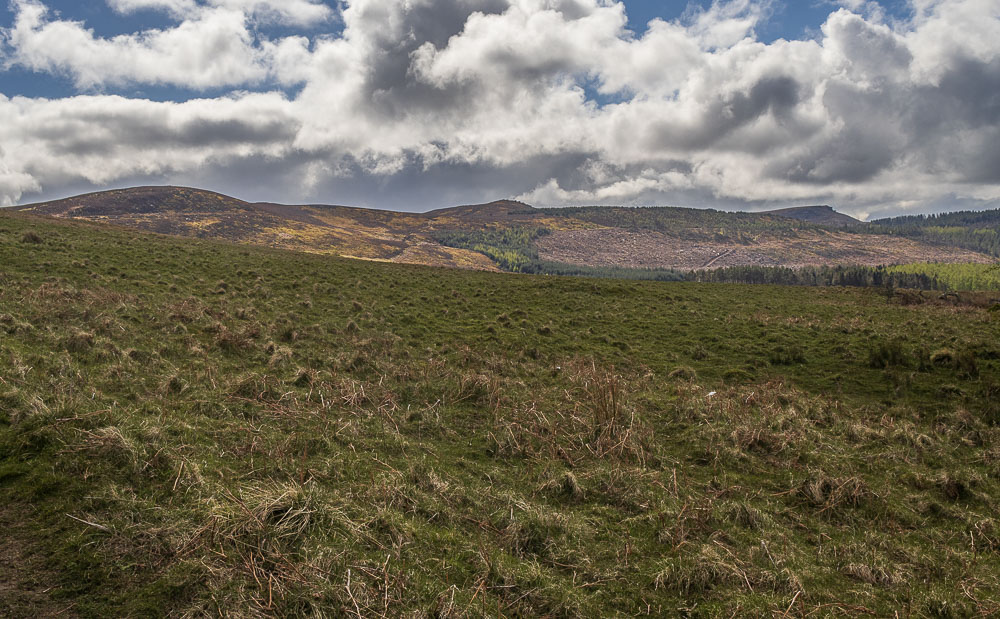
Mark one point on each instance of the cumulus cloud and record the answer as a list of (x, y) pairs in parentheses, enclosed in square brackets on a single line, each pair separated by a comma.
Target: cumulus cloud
[(212, 50), (291, 12), (417, 103)]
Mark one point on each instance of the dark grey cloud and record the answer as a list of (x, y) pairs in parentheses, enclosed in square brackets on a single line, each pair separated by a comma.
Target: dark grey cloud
[(390, 85), (776, 95)]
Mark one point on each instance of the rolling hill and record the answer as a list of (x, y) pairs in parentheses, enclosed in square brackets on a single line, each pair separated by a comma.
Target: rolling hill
[(665, 238), (821, 215), (193, 428)]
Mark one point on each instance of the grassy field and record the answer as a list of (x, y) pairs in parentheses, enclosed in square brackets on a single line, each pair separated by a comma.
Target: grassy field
[(195, 428)]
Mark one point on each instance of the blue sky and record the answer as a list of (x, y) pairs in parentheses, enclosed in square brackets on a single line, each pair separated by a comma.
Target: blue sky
[(877, 107)]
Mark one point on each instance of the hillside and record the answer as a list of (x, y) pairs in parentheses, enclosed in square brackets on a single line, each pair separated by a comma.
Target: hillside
[(189, 428), (975, 230), (337, 230), (541, 240), (819, 215)]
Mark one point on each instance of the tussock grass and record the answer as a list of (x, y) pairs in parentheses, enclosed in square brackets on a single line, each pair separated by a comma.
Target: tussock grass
[(31, 237)]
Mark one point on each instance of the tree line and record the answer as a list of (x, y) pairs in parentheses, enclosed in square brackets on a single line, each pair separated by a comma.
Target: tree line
[(973, 230)]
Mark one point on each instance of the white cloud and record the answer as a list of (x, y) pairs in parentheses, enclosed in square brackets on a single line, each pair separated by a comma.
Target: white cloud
[(214, 50), (291, 12), (479, 98)]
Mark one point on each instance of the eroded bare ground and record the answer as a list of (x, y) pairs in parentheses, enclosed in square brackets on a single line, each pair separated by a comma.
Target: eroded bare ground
[(25, 584), (646, 249)]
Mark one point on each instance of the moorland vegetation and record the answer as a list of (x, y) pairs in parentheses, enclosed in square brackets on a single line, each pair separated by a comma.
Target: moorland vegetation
[(192, 427)]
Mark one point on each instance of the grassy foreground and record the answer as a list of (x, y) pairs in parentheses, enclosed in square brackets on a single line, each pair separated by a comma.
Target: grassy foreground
[(191, 428)]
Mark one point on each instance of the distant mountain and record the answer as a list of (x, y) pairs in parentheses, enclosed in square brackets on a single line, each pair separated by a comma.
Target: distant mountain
[(819, 215), (511, 235)]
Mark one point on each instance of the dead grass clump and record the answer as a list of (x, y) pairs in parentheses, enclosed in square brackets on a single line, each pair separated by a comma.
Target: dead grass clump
[(566, 486), (174, 385), (954, 487), (746, 515), (531, 534), (683, 373), (479, 389), (256, 387), (874, 574), (886, 354), (79, 341), (717, 566), (697, 574), (264, 527), (279, 355), (186, 311), (232, 341), (111, 445), (31, 238), (943, 356), (509, 439), (305, 377), (834, 493), (614, 428)]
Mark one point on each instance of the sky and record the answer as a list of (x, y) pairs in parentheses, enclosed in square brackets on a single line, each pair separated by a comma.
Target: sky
[(875, 108)]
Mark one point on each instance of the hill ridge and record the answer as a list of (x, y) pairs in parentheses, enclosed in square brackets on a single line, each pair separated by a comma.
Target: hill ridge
[(513, 235)]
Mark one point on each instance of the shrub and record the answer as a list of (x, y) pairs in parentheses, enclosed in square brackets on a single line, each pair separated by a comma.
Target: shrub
[(787, 355), (738, 376), (79, 341), (887, 354), (31, 237), (943, 356), (683, 373), (965, 362), (566, 486)]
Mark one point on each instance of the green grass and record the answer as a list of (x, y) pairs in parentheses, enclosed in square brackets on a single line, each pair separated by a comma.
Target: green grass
[(203, 428)]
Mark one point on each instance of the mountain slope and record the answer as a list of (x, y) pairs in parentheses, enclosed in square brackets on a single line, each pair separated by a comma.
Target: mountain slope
[(468, 236), (338, 230), (974, 230), (820, 215)]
